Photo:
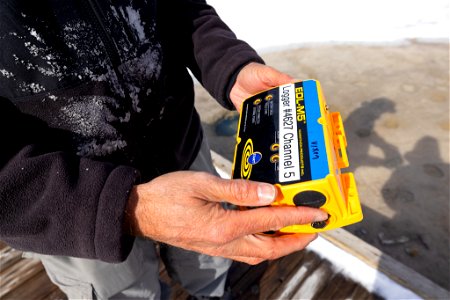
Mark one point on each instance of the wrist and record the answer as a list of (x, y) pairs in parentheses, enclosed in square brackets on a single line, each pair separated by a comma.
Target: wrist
[(130, 224)]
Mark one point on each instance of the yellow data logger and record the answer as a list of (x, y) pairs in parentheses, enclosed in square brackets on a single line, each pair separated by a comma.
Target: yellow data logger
[(288, 137)]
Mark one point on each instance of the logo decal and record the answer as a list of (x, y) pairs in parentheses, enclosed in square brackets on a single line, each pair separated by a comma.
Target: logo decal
[(246, 167), (254, 158)]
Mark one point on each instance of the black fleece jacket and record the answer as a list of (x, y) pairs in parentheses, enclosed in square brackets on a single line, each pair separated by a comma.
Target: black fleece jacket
[(95, 97)]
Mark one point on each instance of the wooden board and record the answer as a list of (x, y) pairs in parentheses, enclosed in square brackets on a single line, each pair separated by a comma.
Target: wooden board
[(393, 269)]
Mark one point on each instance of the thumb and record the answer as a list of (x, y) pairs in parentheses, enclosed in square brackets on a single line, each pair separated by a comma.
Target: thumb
[(244, 192), (272, 77)]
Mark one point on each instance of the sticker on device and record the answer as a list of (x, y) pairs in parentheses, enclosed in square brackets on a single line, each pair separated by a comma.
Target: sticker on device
[(289, 167)]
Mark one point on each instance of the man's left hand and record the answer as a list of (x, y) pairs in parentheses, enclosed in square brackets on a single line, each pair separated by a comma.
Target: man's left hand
[(255, 78)]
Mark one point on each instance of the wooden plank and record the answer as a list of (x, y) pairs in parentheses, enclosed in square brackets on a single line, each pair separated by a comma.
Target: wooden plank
[(24, 278), (252, 289), (277, 272), (236, 272), (176, 291), (392, 268), (247, 287), (315, 282), (8, 257), (37, 287), (2, 245), (163, 275), (18, 273), (360, 293), (295, 279), (339, 288), (56, 294)]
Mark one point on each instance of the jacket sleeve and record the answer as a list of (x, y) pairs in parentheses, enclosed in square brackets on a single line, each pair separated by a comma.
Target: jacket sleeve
[(56, 203), (216, 53)]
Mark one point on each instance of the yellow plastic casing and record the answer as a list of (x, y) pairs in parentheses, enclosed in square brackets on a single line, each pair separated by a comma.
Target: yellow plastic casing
[(337, 190)]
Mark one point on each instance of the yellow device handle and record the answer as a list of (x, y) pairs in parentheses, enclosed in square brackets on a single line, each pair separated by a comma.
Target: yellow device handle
[(340, 141)]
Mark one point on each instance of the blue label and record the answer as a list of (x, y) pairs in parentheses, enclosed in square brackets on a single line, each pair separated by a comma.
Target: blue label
[(316, 142), (254, 158)]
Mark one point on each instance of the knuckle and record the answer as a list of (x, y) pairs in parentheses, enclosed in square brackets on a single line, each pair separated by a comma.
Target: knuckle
[(275, 222), (305, 216), (240, 189), (228, 235), (218, 236)]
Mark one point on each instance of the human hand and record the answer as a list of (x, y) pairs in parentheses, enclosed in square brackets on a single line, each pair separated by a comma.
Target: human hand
[(254, 78), (184, 209)]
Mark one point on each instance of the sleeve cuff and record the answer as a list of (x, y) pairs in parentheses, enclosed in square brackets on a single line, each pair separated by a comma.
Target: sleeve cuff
[(229, 104), (111, 242)]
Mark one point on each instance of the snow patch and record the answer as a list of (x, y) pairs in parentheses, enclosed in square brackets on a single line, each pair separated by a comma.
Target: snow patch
[(134, 19), (359, 271), (90, 116), (6, 73), (32, 87), (35, 34), (94, 149)]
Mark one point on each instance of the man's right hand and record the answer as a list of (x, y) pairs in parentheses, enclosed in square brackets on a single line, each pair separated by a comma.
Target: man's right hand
[(184, 209)]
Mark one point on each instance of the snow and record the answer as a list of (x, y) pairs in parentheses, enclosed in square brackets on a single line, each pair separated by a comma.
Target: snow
[(359, 271), (292, 23), (35, 34), (6, 73), (135, 22)]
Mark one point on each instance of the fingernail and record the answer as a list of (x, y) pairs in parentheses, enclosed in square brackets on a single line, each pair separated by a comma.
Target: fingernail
[(322, 216), (266, 193)]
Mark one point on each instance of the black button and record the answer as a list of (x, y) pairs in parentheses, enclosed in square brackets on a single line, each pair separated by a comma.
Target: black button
[(310, 198), (319, 225)]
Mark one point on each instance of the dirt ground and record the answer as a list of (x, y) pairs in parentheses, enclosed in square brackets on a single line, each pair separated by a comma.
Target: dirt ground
[(394, 101)]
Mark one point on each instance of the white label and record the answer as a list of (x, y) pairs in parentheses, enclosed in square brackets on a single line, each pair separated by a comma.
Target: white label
[(289, 165)]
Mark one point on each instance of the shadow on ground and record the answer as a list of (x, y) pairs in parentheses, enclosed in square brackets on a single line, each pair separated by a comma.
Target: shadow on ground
[(416, 189)]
